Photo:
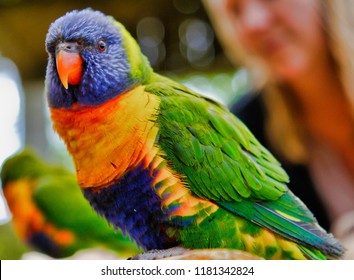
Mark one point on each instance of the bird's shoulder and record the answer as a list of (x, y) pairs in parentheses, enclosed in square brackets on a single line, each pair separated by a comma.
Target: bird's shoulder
[(213, 149)]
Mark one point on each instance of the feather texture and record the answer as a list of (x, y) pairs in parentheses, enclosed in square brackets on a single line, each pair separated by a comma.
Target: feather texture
[(169, 166), (49, 211)]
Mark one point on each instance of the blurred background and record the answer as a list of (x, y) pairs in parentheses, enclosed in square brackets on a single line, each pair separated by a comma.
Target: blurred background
[(175, 35)]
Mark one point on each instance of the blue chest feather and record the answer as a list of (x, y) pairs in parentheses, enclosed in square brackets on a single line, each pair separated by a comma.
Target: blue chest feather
[(45, 244), (133, 206)]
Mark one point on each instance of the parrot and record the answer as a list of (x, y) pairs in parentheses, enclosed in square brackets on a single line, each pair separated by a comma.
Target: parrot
[(50, 213), (163, 163)]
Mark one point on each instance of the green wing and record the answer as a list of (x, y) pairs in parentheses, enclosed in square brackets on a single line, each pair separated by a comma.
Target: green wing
[(220, 157), (61, 201), (222, 161)]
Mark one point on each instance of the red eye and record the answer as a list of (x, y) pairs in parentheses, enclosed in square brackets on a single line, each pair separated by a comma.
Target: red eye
[(102, 46)]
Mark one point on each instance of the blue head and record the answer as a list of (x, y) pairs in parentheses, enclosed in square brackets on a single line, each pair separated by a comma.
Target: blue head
[(92, 58)]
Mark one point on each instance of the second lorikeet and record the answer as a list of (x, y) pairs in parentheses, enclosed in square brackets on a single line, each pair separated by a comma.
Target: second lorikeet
[(161, 162), (50, 213)]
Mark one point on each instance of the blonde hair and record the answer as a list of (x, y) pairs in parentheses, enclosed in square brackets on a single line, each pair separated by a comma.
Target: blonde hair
[(284, 132)]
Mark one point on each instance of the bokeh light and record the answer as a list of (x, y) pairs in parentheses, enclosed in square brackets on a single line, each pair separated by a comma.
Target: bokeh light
[(187, 6), (196, 42), (150, 34), (11, 120)]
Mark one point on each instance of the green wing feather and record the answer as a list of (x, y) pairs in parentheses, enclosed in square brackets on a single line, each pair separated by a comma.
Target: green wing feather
[(59, 198), (222, 161), (61, 201), (201, 137)]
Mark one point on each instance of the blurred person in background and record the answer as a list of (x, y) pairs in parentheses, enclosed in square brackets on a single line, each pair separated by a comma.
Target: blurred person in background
[(300, 54)]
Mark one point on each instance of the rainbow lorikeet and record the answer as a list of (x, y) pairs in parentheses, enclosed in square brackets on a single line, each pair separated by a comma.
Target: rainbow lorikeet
[(161, 162), (50, 213)]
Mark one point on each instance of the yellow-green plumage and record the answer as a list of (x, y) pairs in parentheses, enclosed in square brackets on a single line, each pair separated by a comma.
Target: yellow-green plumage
[(222, 161)]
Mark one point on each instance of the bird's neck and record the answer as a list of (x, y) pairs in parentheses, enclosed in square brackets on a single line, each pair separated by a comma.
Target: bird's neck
[(107, 140)]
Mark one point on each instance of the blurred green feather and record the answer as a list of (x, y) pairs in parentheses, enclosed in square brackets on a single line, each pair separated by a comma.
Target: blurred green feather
[(50, 213)]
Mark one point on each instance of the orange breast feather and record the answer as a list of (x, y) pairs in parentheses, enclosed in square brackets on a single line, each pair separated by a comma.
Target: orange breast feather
[(109, 139)]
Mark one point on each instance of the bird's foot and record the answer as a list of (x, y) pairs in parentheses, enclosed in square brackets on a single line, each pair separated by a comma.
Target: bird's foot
[(160, 253)]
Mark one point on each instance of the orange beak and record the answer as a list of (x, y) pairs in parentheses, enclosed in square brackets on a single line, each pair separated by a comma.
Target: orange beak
[(69, 67)]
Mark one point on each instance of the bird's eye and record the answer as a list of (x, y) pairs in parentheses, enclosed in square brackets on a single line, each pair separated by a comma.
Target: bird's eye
[(102, 46)]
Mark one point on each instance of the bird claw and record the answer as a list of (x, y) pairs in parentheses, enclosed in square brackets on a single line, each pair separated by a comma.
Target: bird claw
[(159, 253)]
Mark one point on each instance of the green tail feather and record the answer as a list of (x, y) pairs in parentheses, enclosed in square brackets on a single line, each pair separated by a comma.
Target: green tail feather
[(308, 233), (312, 254)]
